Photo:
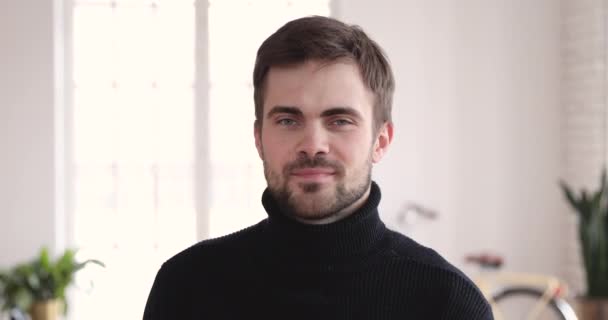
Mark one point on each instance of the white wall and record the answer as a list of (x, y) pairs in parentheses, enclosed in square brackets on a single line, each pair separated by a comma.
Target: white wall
[(26, 129), (477, 122)]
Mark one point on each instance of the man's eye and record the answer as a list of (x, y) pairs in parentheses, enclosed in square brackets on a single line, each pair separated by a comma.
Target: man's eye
[(286, 122), (341, 122)]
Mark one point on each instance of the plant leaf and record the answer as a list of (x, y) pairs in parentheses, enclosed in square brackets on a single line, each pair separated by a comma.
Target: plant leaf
[(569, 195)]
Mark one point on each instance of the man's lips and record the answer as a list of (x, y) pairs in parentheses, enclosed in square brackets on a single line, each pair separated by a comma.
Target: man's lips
[(313, 172)]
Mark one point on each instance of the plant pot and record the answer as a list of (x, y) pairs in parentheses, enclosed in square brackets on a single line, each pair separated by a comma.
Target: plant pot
[(592, 308), (45, 310)]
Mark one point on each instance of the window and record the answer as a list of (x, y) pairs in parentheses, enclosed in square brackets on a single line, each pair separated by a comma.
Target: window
[(133, 146), (132, 134)]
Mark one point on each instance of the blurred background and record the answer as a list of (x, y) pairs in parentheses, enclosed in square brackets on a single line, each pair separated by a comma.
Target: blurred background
[(126, 128)]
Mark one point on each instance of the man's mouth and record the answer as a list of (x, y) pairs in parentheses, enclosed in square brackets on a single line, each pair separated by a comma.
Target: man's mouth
[(313, 173)]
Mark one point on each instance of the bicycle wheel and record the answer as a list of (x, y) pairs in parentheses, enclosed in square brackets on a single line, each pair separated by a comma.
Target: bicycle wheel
[(517, 302)]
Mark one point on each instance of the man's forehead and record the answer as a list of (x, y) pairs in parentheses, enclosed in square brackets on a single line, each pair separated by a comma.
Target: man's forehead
[(311, 65), (317, 86)]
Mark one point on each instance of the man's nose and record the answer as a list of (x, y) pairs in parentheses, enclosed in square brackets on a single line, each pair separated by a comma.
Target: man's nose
[(314, 142)]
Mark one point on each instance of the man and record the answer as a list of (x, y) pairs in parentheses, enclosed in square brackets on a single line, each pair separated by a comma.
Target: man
[(323, 95)]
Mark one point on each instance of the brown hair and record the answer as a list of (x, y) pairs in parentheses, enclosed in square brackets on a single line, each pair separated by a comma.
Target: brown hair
[(326, 39)]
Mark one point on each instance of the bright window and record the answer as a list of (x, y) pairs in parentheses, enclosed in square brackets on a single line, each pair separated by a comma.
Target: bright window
[(133, 146), (132, 134)]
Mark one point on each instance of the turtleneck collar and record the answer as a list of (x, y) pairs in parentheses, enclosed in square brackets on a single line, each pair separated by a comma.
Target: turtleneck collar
[(355, 235)]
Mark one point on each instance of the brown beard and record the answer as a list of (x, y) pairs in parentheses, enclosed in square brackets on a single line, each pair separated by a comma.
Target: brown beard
[(343, 197)]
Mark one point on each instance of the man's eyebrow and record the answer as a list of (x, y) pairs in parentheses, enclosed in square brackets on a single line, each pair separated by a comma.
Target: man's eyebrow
[(341, 111), (284, 109)]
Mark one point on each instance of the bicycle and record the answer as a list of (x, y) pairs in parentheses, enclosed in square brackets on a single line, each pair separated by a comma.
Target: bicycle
[(513, 296), (518, 296)]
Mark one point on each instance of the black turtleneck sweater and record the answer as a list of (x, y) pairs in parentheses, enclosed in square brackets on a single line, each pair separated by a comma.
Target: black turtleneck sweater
[(354, 268)]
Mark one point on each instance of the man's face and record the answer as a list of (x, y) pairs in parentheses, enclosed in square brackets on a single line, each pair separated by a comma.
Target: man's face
[(316, 139)]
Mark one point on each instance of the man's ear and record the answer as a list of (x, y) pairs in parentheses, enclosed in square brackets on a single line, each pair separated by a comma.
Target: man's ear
[(383, 141), (257, 134)]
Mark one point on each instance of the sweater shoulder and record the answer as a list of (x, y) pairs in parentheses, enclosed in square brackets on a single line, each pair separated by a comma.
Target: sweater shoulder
[(210, 263), (457, 286), (214, 251), (403, 247), (446, 281), (427, 260)]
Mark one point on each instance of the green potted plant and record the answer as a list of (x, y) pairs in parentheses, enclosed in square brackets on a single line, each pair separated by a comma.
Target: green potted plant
[(592, 212), (39, 286)]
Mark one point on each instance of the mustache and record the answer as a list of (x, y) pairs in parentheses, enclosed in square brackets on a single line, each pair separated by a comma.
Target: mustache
[(316, 162)]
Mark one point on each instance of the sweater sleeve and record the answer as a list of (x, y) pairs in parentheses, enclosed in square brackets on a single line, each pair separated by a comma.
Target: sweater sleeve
[(154, 306), (467, 302)]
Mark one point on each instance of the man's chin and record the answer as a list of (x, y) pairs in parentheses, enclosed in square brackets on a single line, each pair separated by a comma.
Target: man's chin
[(311, 187), (312, 205), (311, 214)]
